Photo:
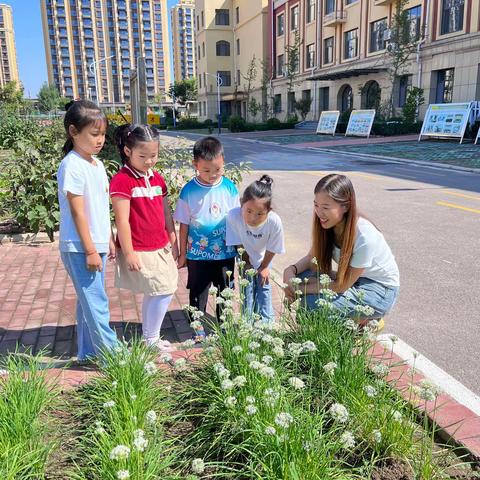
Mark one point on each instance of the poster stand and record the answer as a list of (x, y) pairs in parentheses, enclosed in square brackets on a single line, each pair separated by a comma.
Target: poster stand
[(447, 120), (360, 123), (327, 124)]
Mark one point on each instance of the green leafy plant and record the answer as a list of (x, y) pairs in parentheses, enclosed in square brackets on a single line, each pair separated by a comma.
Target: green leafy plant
[(414, 100), (303, 107)]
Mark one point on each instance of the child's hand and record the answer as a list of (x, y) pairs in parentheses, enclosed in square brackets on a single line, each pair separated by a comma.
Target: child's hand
[(175, 251), (112, 250), (182, 261), (263, 275), (94, 262), (133, 262)]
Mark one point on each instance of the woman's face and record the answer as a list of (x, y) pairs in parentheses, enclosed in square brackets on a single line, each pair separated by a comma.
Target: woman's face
[(329, 212)]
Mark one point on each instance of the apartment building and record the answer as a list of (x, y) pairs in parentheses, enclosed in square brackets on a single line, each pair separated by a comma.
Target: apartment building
[(8, 53), (343, 55), (230, 35), (183, 36), (92, 46)]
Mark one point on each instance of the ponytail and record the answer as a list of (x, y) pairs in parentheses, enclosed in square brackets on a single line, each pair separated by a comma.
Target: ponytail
[(261, 190)]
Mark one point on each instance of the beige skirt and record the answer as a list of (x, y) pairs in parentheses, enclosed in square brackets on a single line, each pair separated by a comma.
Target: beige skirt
[(158, 275)]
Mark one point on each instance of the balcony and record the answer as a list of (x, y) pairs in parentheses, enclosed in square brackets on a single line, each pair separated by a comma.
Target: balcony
[(380, 3), (334, 18)]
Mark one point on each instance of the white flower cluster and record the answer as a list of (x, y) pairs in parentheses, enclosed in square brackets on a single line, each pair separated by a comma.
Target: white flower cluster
[(351, 324), (123, 474), (339, 413), (324, 280), (283, 419), (230, 401), (329, 367), (427, 390), (347, 440), (328, 294), (151, 417), (120, 452), (150, 368), (364, 310), (295, 349), (370, 390), (296, 383), (239, 381), (139, 441), (271, 396), (109, 404), (380, 370), (198, 466)]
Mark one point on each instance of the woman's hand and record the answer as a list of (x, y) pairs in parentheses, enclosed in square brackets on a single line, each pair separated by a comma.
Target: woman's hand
[(133, 262), (288, 274)]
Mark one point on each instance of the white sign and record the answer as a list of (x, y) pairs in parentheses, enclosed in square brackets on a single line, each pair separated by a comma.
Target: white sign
[(328, 122), (360, 123), (478, 136), (446, 120)]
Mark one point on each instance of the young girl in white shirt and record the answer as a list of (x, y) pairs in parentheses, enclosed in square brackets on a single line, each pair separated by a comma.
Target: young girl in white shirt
[(258, 230), (367, 274)]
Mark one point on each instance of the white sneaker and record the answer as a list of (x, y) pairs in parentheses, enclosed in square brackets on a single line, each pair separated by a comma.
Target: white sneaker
[(164, 346)]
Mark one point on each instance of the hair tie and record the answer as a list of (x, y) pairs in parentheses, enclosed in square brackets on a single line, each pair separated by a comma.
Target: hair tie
[(129, 133)]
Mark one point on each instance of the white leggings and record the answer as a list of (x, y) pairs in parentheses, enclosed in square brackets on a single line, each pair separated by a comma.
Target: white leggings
[(154, 308)]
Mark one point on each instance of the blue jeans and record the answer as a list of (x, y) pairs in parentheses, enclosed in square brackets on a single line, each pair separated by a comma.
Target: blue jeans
[(94, 334), (258, 299), (363, 292)]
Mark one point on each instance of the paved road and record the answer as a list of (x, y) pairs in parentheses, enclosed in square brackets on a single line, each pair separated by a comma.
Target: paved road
[(431, 219)]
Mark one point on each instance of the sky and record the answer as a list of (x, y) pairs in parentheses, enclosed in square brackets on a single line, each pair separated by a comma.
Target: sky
[(27, 22)]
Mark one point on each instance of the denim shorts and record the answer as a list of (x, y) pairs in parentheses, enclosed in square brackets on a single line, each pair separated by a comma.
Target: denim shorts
[(364, 291)]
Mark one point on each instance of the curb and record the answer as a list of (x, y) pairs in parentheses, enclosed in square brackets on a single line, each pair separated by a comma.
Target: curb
[(26, 237), (456, 411)]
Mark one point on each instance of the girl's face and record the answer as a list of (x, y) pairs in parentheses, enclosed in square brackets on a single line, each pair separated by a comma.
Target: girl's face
[(209, 171), (254, 212), (89, 141), (143, 156), (329, 212)]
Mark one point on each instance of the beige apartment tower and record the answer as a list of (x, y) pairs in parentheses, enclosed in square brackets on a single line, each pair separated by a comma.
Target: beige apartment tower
[(8, 65), (183, 39), (93, 45), (230, 35), (343, 55)]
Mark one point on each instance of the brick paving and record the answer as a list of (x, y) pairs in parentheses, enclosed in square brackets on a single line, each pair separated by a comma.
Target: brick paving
[(38, 304)]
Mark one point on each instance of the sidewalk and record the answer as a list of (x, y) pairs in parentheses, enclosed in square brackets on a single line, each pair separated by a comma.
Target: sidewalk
[(38, 304)]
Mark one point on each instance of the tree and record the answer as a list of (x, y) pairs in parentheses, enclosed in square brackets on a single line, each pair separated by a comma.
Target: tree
[(293, 61), (402, 44), (415, 99), (184, 91), (11, 97), (254, 107), (303, 107), (250, 78), (48, 98), (266, 108)]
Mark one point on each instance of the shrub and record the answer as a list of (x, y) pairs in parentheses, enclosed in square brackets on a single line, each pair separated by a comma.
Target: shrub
[(14, 129), (188, 122), (236, 124), (274, 123), (208, 122)]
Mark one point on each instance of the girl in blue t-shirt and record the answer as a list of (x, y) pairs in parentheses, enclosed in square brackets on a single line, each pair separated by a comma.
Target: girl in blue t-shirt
[(85, 230)]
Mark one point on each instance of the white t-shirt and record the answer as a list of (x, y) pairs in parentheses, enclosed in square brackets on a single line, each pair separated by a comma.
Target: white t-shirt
[(372, 253), (255, 240), (80, 177)]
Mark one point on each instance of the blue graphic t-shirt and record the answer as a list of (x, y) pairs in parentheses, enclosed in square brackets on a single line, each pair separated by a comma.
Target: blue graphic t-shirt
[(204, 209)]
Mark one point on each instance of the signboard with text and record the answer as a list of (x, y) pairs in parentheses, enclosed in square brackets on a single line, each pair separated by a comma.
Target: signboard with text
[(327, 124), (446, 120), (360, 123)]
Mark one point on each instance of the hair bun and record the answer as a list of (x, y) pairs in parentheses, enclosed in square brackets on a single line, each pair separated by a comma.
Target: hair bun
[(266, 179)]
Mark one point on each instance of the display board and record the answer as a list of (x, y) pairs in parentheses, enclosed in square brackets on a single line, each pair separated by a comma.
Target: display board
[(478, 136), (327, 124), (446, 120), (360, 123)]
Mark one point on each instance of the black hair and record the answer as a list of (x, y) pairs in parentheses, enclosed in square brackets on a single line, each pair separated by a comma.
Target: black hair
[(259, 190), (80, 114), (130, 135), (207, 148)]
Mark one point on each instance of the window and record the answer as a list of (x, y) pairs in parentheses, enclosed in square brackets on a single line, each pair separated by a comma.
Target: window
[(280, 24), (414, 16), (351, 43), (346, 99), (404, 85), (239, 77), (225, 77), (200, 81), (377, 35), (349, 2), (203, 19), (291, 102), (222, 16), (452, 16), (329, 6), (198, 23), (444, 92), (310, 60), (294, 18), (323, 94), (277, 103), (223, 48), (237, 15), (306, 94), (310, 11), (280, 65), (328, 50), (203, 49)]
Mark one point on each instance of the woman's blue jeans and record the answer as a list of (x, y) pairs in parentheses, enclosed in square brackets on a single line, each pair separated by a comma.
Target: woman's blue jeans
[(94, 334)]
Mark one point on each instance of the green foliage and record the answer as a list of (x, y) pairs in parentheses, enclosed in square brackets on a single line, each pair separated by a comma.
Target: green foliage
[(274, 123), (11, 98), (14, 129), (414, 100), (31, 177), (48, 98), (303, 107), (236, 124), (189, 122), (254, 107), (26, 402), (184, 90), (293, 60)]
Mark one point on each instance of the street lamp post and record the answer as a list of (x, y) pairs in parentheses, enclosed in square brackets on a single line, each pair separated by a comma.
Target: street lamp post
[(93, 70), (219, 114)]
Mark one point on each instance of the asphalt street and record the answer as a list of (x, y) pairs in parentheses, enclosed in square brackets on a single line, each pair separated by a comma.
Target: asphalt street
[(429, 216)]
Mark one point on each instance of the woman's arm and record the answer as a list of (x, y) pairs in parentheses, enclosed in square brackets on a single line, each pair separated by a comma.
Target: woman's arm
[(293, 271), (170, 227), (353, 274), (121, 208), (77, 207)]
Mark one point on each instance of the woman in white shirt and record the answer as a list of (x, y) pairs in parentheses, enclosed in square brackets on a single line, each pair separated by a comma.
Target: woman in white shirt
[(367, 279)]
